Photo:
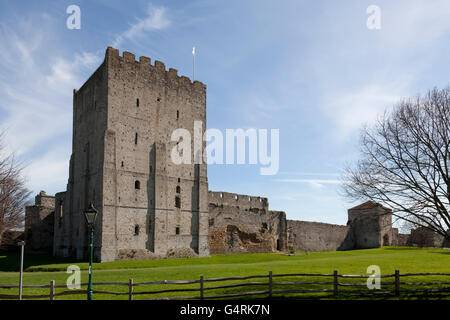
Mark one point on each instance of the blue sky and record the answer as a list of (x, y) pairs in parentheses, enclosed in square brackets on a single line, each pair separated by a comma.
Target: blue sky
[(309, 68)]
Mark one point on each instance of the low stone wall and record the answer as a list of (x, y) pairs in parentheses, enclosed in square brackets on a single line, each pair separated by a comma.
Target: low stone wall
[(422, 237), (317, 236), (142, 254), (402, 240), (242, 224)]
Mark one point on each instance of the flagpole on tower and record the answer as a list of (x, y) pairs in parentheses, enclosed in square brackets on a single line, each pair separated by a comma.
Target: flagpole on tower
[(193, 66)]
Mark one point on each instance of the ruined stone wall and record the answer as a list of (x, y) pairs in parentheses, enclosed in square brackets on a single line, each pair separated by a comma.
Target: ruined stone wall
[(317, 236), (39, 224), (423, 237), (244, 224), (402, 240)]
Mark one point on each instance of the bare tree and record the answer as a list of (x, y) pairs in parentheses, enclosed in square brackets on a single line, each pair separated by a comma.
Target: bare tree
[(405, 162), (13, 193)]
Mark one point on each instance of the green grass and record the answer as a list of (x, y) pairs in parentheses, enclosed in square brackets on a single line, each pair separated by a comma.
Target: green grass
[(40, 270)]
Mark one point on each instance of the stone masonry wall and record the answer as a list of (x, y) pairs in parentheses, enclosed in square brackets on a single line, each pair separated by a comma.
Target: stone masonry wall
[(243, 224), (371, 226), (39, 224), (85, 181), (317, 236), (142, 187), (423, 237)]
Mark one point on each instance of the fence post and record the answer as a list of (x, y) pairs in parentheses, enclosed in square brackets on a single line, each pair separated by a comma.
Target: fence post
[(270, 284), (335, 282), (201, 287), (52, 289), (397, 283), (130, 289)]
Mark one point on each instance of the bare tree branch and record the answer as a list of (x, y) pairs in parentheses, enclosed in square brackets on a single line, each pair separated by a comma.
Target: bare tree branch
[(405, 162), (13, 193)]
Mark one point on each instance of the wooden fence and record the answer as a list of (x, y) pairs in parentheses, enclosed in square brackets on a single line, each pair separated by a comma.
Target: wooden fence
[(268, 287)]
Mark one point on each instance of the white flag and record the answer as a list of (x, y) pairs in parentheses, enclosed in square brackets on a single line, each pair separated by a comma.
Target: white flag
[(193, 51)]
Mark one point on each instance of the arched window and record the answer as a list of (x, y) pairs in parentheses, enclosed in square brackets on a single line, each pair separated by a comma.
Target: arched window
[(177, 202), (178, 189), (137, 184), (136, 230)]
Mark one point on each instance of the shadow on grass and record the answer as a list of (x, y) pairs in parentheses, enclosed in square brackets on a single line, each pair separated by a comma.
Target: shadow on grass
[(441, 252), (402, 248), (10, 261), (357, 297)]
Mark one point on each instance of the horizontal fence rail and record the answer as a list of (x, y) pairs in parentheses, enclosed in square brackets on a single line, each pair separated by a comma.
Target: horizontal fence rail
[(267, 287)]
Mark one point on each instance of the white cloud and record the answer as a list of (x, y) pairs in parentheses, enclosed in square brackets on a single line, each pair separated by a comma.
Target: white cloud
[(310, 174), (66, 73), (156, 19), (414, 23), (36, 94), (315, 183), (36, 102), (350, 110), (49, 171)]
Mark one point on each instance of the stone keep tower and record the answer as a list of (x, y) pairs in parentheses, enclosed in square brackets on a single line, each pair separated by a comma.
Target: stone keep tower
[(123, 118)]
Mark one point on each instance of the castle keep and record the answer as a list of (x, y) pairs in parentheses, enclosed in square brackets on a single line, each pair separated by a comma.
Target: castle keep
[(149, 207)]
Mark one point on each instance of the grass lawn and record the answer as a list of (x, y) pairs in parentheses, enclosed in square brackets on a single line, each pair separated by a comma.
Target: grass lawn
[(40, 270)]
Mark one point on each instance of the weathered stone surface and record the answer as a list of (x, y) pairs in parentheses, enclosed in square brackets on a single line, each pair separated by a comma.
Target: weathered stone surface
[(371, 225), (39, 224), (316, 236), (244, 224), (423, 237)]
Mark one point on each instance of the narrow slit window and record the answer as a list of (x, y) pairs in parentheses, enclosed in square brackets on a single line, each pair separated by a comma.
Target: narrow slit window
[(177, 202), (61, 209), (136, 138), (177, 230), (137, 103), (137, 184), (178, 114), (136, 230)]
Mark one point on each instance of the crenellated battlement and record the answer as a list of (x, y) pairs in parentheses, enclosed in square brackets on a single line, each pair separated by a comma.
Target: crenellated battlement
[(243, 201), (113, 57)]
